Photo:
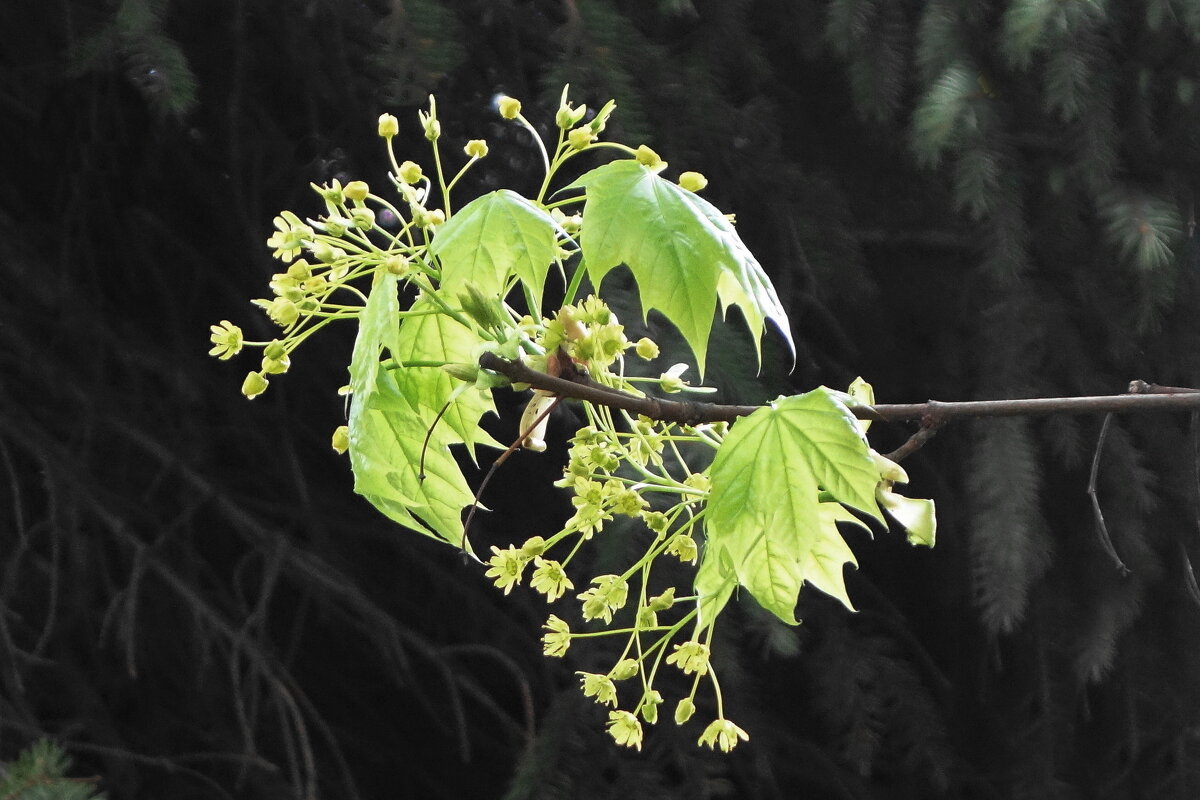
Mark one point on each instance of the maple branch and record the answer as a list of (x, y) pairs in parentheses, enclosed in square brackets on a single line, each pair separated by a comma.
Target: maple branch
[(1141, 397)]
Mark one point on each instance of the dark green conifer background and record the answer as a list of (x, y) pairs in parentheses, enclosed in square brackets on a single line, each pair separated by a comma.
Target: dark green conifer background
[(957, 199)]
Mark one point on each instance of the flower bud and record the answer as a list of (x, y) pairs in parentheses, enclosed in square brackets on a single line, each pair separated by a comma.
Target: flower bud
[(568, 117), (684, 711), (397, 264), (509, 107), (254, 385), (362, 218), (332, 194), (580, 138), (326, 253), (275, 350), (300, 270), (341, 439), (648, 158), (625, 669), (357, 190), (646, 349), (389, 126), (433, 218), (476, 148), (276, 366), (692, 181), (410, 173), (429, 122)]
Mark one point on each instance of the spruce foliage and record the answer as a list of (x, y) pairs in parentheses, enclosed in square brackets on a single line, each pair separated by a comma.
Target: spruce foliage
[(966, 198)]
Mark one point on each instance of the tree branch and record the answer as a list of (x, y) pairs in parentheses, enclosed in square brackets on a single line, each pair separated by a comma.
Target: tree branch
[(1141, 397)]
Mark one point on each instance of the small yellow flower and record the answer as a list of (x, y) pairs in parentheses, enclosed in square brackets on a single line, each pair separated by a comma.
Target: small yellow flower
[(723, 734), (690, 657), (625, 729), (550, 579), (684, 711), (476, 148), (509, 107), (506, 567), (600, 687), (683, 547), (607, 596), (227, 340), (557, 638)]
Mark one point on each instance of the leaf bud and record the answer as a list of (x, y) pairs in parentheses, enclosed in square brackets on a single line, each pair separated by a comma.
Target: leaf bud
[(509, 107), (480, 307), (254, 385), (389, 126), (341, 439), (476, 148), (692, 181), (463, 372)]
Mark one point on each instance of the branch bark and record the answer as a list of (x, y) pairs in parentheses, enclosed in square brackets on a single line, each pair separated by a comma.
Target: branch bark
[(1141, 397)]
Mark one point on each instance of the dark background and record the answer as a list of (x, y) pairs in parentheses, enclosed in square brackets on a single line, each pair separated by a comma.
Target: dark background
[(957, 199)]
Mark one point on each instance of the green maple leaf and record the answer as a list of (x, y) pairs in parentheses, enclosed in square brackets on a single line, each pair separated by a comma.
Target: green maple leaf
[(434, 337), (493, 237), (764, 512), (683, 252), (387, 432)]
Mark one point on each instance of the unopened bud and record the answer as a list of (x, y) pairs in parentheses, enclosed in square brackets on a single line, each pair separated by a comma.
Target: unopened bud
[(476, 148), (509, 107), (254, 385), (389, 126), (357, 190), (341, 439), (692, 181), (410, 173)]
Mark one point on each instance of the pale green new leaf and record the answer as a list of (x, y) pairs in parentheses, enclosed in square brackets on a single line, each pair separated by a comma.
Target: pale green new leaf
[(493, 237), (764, 511), (435, 337), (915, 514), (387, 434), (683, 252), (715, 582)]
